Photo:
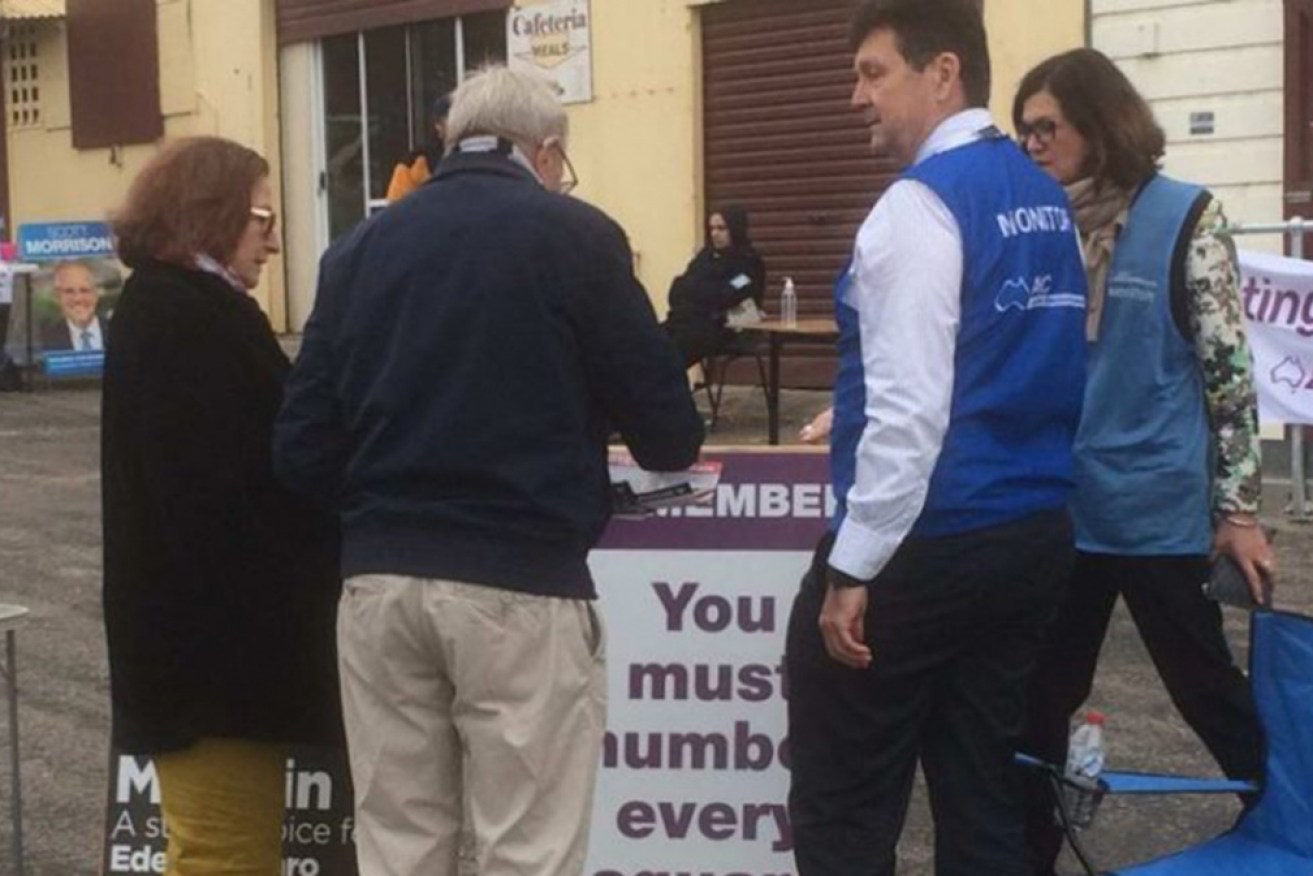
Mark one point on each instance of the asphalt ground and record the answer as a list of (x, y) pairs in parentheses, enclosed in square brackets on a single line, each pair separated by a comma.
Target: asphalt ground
[(50, 562)]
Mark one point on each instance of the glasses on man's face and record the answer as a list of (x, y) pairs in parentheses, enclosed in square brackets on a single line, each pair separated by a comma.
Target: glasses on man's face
[(1041, 129), (569, 179), (268, 219)]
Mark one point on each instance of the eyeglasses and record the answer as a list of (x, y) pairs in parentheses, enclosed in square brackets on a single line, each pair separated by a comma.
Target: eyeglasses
[(1041, 129), (268, 219), (569, 179)]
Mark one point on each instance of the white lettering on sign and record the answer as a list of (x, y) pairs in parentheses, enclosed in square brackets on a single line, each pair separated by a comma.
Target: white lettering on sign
[(136, 779), (762, 500), (135, 859)]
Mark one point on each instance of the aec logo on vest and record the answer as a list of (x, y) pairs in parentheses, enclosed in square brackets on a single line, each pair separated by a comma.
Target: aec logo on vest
[(1022, 294)]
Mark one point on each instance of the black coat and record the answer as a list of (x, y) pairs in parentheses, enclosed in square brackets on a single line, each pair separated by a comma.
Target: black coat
[(220, 586), (470, 350), (702, 295)]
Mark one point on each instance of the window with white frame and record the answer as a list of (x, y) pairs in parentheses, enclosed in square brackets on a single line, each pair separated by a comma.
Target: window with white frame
[(378, 86)]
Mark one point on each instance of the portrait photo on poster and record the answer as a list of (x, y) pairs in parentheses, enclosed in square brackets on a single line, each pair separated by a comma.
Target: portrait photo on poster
[(73, 302)]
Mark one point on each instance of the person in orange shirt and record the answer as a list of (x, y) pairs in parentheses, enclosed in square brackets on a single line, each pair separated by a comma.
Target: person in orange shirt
[(410, 174)]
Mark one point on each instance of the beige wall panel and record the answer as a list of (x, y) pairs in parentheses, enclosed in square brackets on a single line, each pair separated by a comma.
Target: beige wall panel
[(229, 69), (635, 146), (1021, 34), (1113, 7), (177, 72), (50, 181), (1221, 164), (301, 201), (1236, 71), (276, 273), (1254, 203), (1191, 28)]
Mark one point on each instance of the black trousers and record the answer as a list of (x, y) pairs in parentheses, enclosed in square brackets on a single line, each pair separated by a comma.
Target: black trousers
[(955, 625), (1182, 631), (696, 341)]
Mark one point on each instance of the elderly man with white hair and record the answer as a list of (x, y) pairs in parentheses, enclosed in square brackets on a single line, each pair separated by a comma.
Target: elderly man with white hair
[(470, 351)]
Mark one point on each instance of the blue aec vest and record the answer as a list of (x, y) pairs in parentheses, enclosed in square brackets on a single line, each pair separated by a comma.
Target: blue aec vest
[(1019, 368), (1143, 455)]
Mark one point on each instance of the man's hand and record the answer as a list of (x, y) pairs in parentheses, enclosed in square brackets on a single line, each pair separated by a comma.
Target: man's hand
[(818, 429), (1248, 546), (843, 626)]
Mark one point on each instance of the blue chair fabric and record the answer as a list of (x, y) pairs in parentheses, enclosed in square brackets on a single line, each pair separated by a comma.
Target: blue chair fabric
[(1274, 837)]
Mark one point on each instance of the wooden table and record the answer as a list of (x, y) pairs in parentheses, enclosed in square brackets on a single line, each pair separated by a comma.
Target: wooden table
[(11, 618), (781, 333)]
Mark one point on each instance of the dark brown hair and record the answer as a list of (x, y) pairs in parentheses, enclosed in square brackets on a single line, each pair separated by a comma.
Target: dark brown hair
[(192, 198), (925, 29), (1125, 143)]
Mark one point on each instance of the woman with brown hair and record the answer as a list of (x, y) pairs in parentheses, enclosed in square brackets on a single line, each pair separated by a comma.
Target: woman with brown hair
[(1166, 457), (220, 587)]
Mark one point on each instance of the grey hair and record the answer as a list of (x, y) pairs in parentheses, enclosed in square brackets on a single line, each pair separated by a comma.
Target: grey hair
[(500, 102)]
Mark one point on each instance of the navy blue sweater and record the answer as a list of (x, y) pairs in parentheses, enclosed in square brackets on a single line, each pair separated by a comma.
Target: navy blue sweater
[(470, 349)]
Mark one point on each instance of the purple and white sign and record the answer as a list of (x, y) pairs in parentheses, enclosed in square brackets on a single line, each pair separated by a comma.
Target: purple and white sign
[(694, 773), (1277, 296)]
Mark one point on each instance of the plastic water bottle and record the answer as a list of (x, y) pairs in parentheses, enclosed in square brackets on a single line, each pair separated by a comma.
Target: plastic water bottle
[(789, 303), (1085, 756)]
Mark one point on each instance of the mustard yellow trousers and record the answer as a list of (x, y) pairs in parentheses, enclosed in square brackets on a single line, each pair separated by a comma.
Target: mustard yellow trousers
[(222, 801)]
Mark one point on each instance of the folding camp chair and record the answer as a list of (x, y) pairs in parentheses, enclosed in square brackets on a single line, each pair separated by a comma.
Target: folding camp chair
[(1273, 837)]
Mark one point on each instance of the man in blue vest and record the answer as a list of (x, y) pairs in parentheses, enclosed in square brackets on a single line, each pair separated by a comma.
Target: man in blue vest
[(958, 395)]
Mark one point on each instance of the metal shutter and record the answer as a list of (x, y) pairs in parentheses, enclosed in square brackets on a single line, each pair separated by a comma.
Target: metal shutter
[(301, 20), (781, 138)]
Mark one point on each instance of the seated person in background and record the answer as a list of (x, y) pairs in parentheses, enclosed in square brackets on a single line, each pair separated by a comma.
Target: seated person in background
[(78, 295), (726, 273), (412, 173)]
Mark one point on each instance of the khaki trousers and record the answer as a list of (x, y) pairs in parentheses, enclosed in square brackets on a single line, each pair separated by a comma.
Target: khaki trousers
[(470, 704)]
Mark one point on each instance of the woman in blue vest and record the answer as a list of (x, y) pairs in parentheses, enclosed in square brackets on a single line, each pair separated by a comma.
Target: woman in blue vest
[(1167, 455)]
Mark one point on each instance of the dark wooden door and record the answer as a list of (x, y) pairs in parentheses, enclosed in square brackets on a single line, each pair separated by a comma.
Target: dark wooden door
[(780, 138), (1299, 114)]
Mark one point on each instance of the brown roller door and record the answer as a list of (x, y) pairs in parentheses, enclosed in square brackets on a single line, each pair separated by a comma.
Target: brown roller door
[(781, 139), (301, 20)]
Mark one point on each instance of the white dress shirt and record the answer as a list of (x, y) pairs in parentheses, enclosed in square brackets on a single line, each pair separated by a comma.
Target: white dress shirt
[(906, 288)]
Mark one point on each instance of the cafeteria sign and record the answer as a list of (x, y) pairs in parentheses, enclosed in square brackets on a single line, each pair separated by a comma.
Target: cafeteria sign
[(553, 38)]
